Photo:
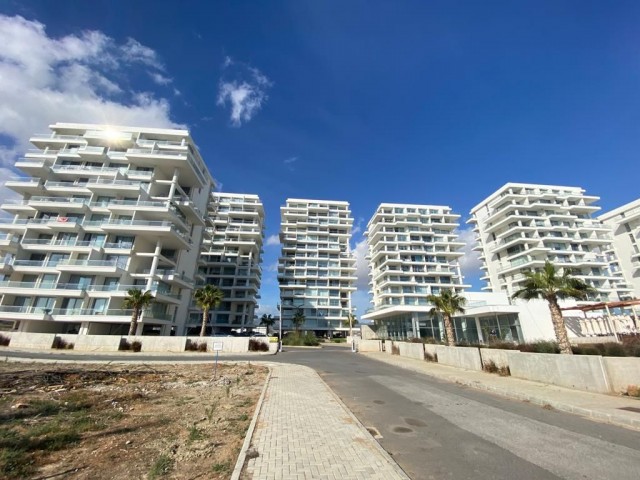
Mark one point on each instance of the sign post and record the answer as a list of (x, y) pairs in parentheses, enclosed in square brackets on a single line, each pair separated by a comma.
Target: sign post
[(217, 347)]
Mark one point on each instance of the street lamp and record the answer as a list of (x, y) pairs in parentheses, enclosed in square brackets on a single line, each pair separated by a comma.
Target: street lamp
[(351, 316), (280, 330)]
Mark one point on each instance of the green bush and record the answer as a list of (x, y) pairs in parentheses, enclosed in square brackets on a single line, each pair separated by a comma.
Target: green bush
[(297, 339), (339, 340), (541, 346)]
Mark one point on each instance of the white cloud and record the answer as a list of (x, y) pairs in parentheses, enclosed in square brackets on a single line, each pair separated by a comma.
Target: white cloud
[(272, 267), (273, 240), (290, 160), (244, 90), (470, 263), (362, 265), (76, 78)]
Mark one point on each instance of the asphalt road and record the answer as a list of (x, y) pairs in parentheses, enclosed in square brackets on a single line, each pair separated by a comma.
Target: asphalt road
[(439, 430)]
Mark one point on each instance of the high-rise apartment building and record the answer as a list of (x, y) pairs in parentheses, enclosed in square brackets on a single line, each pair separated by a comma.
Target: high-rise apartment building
[(316, 270), (413, 253), (520, 226), (624, 223), (230, 259), (104, 209)]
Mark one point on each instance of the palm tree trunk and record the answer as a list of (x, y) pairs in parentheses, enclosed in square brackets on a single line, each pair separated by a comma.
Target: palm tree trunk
[(205, 317), (559, 327), (134, 322), (448, 327)]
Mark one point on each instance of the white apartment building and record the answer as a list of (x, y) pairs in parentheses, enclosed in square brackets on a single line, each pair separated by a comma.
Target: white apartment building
[(413, 252), (230, 259), (520, 226), (316, 270), (103, 209), (624, 223)]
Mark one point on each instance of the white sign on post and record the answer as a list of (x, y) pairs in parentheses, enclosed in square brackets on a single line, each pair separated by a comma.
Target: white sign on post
[(217, 346)]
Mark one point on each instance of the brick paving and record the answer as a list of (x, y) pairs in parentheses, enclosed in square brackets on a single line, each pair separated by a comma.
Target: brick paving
[(305, 432)]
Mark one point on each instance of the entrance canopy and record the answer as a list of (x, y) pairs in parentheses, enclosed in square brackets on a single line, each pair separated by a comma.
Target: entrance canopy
[(604, 305)]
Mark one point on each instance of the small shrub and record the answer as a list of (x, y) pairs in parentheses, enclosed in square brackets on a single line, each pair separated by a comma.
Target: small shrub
[(504, 371), (307, 339), (503, 345), (541, 346), (61, 344), (585, 350), (430, 340), (614, 350), (429, 357), (415, 340), (395, 350), (161, 466), (339, 340), (633, 391), (4, 341), (194, 346), (257, 346), (134, 346)]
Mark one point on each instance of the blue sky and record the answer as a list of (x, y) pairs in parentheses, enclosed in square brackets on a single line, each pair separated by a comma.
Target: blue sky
[(370, 102)]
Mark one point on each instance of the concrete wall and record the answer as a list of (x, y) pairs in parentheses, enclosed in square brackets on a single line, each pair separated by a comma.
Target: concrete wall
[(369, 345), (411, 350), (499, 357), (430, 348), (581, 340), (229, 344), (461, 357), (367, 332), (97, 343), (161, 344), (622, 372), (582, 372), (31, 340)]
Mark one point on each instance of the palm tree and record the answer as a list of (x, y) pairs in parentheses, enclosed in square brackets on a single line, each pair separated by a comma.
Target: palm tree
[(448, 303), (206, 298), (137, 300), (353, 320), (298, 319), (550, 286), (267, 320)]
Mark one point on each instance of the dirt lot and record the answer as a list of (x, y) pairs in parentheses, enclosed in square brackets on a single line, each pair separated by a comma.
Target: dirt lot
[(121, 421)]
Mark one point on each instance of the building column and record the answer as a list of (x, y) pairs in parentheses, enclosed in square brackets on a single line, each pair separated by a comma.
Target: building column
[(154, 264), (174, 182), (84, 328)]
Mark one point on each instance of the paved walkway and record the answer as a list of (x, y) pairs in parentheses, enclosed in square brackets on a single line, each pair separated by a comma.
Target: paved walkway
[(605, 408), (305, 432)]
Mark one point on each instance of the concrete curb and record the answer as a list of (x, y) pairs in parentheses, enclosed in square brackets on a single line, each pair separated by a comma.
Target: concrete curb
[(364, 430), (612, 419), (237, 471)]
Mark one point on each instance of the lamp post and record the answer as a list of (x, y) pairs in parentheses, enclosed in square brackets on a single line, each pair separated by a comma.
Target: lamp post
[(351, 315), (280, 329)]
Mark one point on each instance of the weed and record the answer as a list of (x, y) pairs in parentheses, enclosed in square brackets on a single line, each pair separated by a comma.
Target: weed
[(4, 341), (195, 434), (633, 391), (547, 406), (431, 357), (227, 390), (395, 350), (221, 467), (60, 343), (307, 339), (161, 466), (244, 417), (194, 346), (490, 367), (134, 346), (209, 411), (257, 346)]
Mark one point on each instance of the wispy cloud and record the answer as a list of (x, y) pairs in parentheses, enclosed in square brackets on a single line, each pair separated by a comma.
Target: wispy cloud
[(160, 79), (290, 160), (272, 240), (358, 228), (243, 88)]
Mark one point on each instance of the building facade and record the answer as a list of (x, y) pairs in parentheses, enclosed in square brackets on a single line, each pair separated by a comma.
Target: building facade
[(413, 253), (103, 209), (316, 269), (230, 259), (520, 226), (624, 223)]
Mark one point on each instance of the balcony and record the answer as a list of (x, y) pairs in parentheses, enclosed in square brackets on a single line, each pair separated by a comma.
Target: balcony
[(24, 185)]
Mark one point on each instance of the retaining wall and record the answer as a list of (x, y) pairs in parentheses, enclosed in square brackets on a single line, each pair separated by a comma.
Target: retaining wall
[(32, 340), (583, 372), (369, 345), (499, 357), (96, 343), (461, 357), (622, 372), (411, 350)]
